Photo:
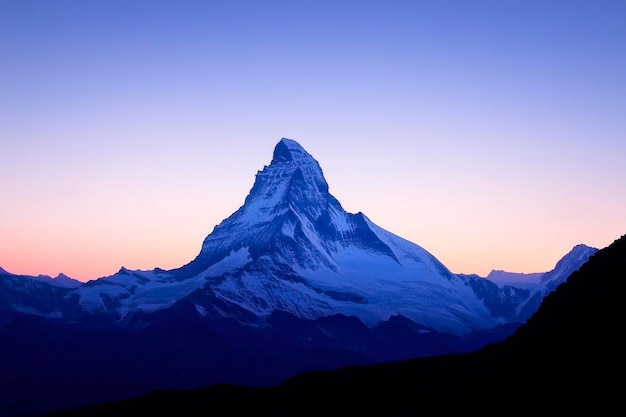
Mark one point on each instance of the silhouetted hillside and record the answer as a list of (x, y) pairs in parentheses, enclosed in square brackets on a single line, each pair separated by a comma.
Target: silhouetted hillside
[(567, 358)]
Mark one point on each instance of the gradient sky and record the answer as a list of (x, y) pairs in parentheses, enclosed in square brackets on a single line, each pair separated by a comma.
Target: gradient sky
[(491, 133)]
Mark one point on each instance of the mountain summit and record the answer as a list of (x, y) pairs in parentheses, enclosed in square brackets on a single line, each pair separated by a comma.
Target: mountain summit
[(288, 198)]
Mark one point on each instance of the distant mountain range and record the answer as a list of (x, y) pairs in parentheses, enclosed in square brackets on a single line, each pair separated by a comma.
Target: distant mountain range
[(290, 282)]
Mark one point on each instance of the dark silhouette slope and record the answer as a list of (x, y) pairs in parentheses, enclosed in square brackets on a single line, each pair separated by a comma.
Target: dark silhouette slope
[(567, 358)]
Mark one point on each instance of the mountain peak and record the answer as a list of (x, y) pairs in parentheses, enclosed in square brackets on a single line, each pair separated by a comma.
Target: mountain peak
[(288, 191), (291, 159), (567, 265), (293, 174), (288, 150)]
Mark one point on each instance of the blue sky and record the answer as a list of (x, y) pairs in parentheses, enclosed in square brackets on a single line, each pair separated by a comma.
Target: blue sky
[(491, 133)]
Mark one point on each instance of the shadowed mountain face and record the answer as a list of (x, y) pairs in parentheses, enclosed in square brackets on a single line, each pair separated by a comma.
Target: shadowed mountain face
[(288, 283), (565, 359)]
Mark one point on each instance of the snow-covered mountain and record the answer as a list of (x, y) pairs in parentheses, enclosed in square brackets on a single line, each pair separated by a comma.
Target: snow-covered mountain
[(548, 281), (566, 266), (289, 282), (516, 296), (292, 247), (545, 281)]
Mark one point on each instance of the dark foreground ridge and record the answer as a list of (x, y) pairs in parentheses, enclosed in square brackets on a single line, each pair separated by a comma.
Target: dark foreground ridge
[(565, 359)]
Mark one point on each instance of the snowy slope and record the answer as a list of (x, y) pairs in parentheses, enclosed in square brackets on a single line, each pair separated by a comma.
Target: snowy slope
[(567, 265)]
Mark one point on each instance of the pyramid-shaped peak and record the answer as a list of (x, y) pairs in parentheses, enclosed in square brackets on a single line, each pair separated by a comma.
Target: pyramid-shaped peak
[(289, 150), (289, 159), (290, 143)]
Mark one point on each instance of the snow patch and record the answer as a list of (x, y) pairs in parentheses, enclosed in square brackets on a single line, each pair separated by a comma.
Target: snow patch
[(201, 310), (230, 263)]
